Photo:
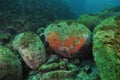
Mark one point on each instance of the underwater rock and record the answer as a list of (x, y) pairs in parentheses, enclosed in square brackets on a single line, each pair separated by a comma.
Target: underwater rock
[(10, 65), (54, 71), (58, 75), (52, 75), (53, 58), (90, 21), (60, 64), (63, 70), (69, 38), (53, 66), (31, 49), (106, 48)]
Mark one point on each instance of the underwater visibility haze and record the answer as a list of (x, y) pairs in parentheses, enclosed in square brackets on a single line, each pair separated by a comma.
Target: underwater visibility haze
[(91, 6), (59, 39)]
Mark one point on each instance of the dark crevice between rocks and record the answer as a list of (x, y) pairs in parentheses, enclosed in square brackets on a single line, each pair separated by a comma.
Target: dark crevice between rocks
[(26, 70)]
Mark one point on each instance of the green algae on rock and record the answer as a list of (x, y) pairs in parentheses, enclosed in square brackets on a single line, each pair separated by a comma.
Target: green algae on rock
[(53, 66), (90, 21), (64, 70), (57, 75), (68, 38), (10, 65), (106, 48), (52, 75), (31, 48)]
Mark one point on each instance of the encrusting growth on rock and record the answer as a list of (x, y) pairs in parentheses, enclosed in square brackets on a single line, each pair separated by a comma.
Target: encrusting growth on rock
[(68, 39)]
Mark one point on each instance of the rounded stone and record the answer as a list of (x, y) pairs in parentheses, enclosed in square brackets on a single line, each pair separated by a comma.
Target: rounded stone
[(10, 65), (31, 49), (69, 38)]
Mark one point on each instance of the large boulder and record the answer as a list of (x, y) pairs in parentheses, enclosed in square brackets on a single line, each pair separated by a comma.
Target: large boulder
[(106, 48), (68, 38), (31, 48), (10, 65)]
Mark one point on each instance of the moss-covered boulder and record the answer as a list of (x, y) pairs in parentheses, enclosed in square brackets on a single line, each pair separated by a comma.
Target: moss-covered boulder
[(90, 20), (10, 65), (31, 48), (106, 48), (68, 38)]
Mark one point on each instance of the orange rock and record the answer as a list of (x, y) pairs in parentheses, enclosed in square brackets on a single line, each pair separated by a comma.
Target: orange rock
[(71, 45), (74, 43), (54, 40), (69, 39)]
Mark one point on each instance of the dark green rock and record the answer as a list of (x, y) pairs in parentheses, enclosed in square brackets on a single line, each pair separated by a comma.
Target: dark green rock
[(10, 66)]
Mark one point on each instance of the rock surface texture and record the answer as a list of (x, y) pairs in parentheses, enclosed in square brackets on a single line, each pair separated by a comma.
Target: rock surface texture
[(30, 48), (10, 65), (106, 48), (68, 38)]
